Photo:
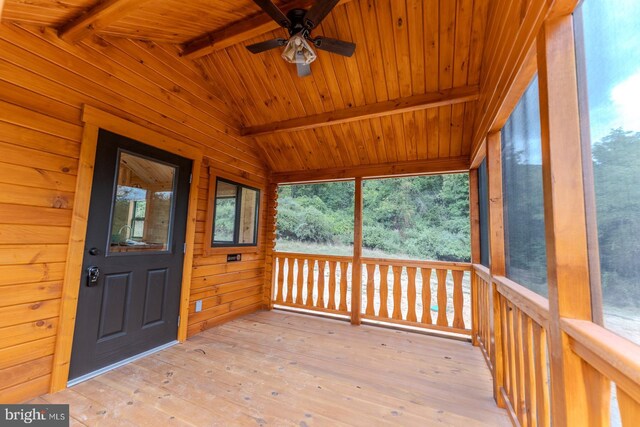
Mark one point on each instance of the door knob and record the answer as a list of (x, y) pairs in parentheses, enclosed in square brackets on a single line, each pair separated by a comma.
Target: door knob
[(93, 274)]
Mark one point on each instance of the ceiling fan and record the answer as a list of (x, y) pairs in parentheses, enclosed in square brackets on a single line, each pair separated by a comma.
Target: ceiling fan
[(298, 48)]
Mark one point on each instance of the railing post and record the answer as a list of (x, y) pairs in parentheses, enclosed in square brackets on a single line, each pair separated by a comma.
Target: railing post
[(270, 243), (356, 270), (474, 217), (574, 388), (496, 242)]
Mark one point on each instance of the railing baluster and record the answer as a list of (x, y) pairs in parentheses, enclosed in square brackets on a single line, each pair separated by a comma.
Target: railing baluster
[(530, 378), (311, 267), (520, 403), (332, 285), (344, 266), (321, 266), (290, 263), (442, 297), (426, 296), (542, 377), (384, 291), (371, 274), (280, 282), (411, 294), (458, 301), (397, 292), (300, 280), (629, 409)]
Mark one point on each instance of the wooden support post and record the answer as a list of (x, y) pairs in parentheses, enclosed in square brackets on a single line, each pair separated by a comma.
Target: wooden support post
[(270, 243), (356, 270), (565, 227), (498, 268), (474, 215)]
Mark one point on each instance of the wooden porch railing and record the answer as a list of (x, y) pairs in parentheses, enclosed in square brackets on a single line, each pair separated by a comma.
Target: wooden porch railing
[(401, 292), (482, 293), (524, 321), (312, 282), (393, 291), (520, 363)]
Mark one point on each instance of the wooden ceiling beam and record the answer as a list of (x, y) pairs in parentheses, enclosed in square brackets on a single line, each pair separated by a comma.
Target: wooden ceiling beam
[(384, 170), (97, 18), (386, 108), (238, 32)]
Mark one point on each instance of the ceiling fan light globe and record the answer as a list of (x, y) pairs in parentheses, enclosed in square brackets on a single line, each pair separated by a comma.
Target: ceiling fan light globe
[(298, 51)]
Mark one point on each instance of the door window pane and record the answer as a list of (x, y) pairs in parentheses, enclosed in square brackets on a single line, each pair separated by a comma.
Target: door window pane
[(526, 257), (143, 205), (608, 46)]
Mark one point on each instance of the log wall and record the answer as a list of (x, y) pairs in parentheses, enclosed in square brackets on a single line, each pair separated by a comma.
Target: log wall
[(43, 84)]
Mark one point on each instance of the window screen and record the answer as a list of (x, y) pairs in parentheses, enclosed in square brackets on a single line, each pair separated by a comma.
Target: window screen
[(607, 45), (526, 260), (483, 201)]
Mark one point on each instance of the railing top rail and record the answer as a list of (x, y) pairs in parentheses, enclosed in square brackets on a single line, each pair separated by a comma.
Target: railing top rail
[(319, 257), (465, 266), (483, 272), (615, 357), (534, 305)]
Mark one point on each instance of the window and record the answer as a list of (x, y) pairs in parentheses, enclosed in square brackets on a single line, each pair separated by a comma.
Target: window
[(525, 248), (235, 214), (607, 46)]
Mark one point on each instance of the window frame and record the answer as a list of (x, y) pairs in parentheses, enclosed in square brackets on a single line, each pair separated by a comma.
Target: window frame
[(217, 248)]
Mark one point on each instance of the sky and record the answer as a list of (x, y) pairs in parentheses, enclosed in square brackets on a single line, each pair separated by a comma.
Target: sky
[(612, 43)]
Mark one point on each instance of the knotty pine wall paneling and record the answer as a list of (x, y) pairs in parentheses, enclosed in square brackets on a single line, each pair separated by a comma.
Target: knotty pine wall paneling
[(43, 84)]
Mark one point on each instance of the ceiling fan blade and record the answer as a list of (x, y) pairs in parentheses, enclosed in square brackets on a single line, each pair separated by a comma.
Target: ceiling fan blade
[(335, 46), (318, 12), (304, 70), (274, 12), (264, 46)]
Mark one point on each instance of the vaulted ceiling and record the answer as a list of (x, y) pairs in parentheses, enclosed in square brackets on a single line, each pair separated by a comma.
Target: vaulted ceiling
[(408, 93)]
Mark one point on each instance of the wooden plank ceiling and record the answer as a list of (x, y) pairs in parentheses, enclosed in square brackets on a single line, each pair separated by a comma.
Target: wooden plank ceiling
[(409, 52)]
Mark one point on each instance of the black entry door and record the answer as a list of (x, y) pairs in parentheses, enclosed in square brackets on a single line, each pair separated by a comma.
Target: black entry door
[(130, 290)]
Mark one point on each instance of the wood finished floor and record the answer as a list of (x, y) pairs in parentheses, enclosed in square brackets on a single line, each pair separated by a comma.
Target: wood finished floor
[(284, 369)]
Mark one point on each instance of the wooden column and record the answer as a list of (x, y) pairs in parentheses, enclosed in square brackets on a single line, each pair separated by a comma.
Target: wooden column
[(356, 271), (496, 249), (474, 215), (270, 243), (573, 383)]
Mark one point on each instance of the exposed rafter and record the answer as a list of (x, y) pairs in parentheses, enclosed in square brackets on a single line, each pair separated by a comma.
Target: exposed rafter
[(98, 18), (386, 108), (418, 167), (238, 32)]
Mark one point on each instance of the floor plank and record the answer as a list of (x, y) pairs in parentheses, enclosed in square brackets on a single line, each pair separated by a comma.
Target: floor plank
[(285, 369)]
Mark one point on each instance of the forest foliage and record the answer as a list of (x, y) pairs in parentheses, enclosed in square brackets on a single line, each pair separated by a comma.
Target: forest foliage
[(423, 217)]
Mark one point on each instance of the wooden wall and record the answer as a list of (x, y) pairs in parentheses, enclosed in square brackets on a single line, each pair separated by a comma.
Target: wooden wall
[(43, 84)]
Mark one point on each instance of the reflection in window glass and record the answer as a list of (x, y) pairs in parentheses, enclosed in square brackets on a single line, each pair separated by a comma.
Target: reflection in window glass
[(143, 205), (525, 250), (608, 46), (235, 218)]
